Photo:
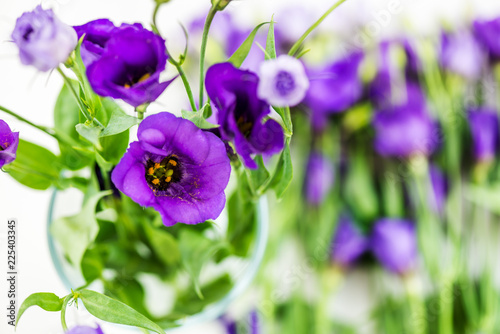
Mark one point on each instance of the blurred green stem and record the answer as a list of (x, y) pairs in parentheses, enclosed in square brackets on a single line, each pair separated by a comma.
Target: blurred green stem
[(206, 28), (417, 305), (22, 119)]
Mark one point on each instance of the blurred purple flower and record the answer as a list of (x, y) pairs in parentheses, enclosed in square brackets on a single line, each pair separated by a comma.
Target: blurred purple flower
[(405, 129), (43, 40), (439, 190), (348, 243), (319, 179), (8, 144), (335, 88), (176, 168), (241, 113), (394, 243), (97, 34), (85, 330), (129, 64), (483, 124), (487, 32), (461, 54), (283, 81)]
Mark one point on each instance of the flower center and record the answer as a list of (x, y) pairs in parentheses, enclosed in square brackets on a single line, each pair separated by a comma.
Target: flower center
[(160, 175), (133, 82), (244, 126), (284, 83), (4, 146), (27, 33)]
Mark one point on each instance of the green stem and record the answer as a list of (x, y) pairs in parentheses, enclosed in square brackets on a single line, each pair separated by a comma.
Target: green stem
[(206, 28), (185, 81), (22, 119), (63, 312), (417, 305), (155, 13), (297, 44), (83, 109)]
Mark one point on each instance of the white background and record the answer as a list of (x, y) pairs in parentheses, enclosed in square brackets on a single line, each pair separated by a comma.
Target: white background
[(33, 95)]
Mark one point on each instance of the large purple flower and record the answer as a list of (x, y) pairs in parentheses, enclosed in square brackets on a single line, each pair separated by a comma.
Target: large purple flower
[(97, 34), (241, 114), (124, 63), (85, 330), (487, 33), (8, 144), (483, 124), (334, 88), (405, 129), (43, 40), (176, 168), (319, 178), (394, 243), (461, 54), (348, 243)]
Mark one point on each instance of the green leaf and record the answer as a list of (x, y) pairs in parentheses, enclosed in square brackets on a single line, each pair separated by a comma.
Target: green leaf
[(77, 232), (119, 123), (129, 291), (92, 264), (164, 245), (271, 43), (198, 117), (35, 166), (257, 177), (239, 56), (47, 301), (115, 145), (66, 116), (283, 174), (90, 132), (114, 311), (486, 196), (196, 250), (241, 227)]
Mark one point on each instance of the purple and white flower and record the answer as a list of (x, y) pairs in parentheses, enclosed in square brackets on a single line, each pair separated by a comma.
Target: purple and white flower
[(348, 243), (8, 144), (283, 81), (176, 168), (43, 40), (85, 330)]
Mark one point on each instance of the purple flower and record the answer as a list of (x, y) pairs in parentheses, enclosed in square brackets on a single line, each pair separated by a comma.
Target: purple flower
[(241, 113), (461, 54), (43, 40), (334, 88), (405, 129), (483, 124), (487, 33), (283, 81), (8, 144), (439, 190), (320, 175), (176, 168), (124, 63), (394, 243), (97, 34), (348, 243), (85, 330)]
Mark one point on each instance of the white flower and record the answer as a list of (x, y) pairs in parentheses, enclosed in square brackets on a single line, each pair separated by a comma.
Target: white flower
[(283, 81)]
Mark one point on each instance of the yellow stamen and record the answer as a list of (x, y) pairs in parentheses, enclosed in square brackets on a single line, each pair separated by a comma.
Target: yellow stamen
[(168, 179), (144, 77), (172, 162), (151, 171), (156, 182), (157, 165), (126, 86)]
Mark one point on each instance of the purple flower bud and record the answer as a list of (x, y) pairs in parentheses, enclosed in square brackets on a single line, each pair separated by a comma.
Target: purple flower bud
[(334, 88), (43, 40), (348, 243), (85, 330), (405, 129), (241, 114), (176, 168), (283, 81), (461, 54), (320, 175), (483, 124), (124, 62), (394, 243), (487, 33), (439, 190), (8, 144)]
